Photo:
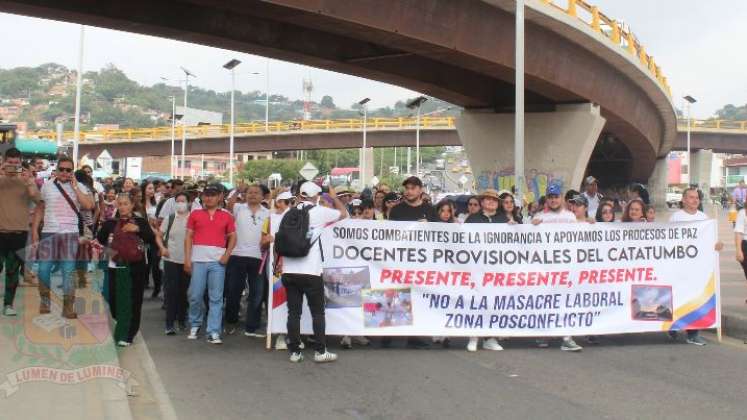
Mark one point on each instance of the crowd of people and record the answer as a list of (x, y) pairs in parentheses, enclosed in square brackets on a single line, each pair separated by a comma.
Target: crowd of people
[(205, 248)]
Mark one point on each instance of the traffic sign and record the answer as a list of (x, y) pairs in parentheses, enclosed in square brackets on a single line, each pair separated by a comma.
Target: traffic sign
[(104, 160), (309, 171), (394, 170)]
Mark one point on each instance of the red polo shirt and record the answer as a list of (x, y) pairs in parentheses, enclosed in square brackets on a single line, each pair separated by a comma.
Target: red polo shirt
[(209, 234)]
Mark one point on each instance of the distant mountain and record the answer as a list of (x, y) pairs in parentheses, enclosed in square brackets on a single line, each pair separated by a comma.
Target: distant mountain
[(42, 95)]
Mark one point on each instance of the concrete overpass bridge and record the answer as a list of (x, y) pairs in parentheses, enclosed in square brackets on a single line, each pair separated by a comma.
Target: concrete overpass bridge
[(587, 77), (720, 136)]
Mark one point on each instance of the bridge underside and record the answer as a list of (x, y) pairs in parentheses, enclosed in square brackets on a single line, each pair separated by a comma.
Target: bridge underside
[(458, 50), (284, 142), (718, 142)]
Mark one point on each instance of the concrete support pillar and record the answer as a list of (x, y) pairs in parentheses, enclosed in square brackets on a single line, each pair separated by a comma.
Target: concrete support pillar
[(701, 166), (658, 183), (558, 146), (369, 163)]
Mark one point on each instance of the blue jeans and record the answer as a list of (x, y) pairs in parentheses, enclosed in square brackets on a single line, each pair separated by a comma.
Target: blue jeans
[(210, 275), (57, 251)]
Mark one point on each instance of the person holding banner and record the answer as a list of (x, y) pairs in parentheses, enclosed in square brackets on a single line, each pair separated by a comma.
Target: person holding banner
[(555, 212), (274, 263), (412, 209), (690, 213), (302, 276), (489, 200)]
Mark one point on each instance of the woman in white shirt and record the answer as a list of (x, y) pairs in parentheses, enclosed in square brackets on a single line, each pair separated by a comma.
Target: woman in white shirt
[(177, 281), (149, 206)]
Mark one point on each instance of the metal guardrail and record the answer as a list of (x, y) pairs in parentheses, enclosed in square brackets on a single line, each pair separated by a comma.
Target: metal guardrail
[(256, 128), (615, 32), (712, 124)]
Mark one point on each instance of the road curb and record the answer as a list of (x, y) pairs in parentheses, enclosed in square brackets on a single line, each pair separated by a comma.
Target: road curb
[(734, 325), (151, 400)]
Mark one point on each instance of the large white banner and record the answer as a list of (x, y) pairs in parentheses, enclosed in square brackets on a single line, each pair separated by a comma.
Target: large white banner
[(436, 279)]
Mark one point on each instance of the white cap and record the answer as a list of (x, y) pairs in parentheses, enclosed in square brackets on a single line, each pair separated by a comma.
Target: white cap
[(310, 189), (285, 195)]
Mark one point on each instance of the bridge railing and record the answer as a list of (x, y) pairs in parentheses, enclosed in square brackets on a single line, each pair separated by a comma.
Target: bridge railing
[(712, 124), (617, 33), (256, 127)]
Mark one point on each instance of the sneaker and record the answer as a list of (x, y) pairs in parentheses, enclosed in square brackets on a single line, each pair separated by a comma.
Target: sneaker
[(257, 334), (569, 345), (170, 331), (214, 339), (280, 343), (697, 340), (361, 341), (9, 311), (491, 344), (472, 344), (542, 343), (296, 357), (230, 329), (181, 326), (122, 343), (346, 343), (325, 357), (193, 333), (592, 339)]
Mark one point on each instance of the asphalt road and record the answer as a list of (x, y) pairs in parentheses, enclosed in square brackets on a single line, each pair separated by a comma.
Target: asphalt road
[(640, 376)]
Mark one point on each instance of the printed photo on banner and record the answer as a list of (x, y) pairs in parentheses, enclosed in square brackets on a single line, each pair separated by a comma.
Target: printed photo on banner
[(343, 285), (387, 308), (652, 303)]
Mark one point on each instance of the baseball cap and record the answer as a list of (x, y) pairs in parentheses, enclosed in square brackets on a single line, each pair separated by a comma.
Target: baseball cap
[(590, 180), (285, 195), (213, 189), (413, 180), (309, 189), (553, 189), (580, 199), (356, 202)]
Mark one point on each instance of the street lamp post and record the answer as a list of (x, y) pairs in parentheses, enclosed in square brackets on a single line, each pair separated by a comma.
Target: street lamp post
[(78, 87), (362, 159), (187, 74), (417, 103), (231, 65), (267, 95), (173, 135), (690, 100), (519, 114)]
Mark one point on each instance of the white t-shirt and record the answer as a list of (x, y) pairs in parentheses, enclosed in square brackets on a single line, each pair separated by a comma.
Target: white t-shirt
[(740, 224), (275, 219), (177, 235), (249, 230), (150, 210), (593, 203), (683, 216), (312, 263), (59, 217), (562, 216), (169, 208)]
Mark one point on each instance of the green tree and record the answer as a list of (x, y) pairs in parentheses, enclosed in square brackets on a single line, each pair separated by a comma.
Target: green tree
[(260, 170)]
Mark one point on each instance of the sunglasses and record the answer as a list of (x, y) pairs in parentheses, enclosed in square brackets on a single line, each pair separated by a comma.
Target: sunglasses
[(68, 170)]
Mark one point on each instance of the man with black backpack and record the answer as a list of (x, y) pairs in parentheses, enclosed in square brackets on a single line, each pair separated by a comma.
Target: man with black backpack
[(298, 242)]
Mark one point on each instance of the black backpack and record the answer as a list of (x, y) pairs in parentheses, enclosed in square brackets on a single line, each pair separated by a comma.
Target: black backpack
[(293, 238)]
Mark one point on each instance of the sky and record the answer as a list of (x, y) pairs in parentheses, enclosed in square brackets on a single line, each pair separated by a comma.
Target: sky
[(697, 44)]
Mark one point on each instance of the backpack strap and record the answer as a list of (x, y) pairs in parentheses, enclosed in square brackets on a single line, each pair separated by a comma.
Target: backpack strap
[(72, 206), (168, 229)]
